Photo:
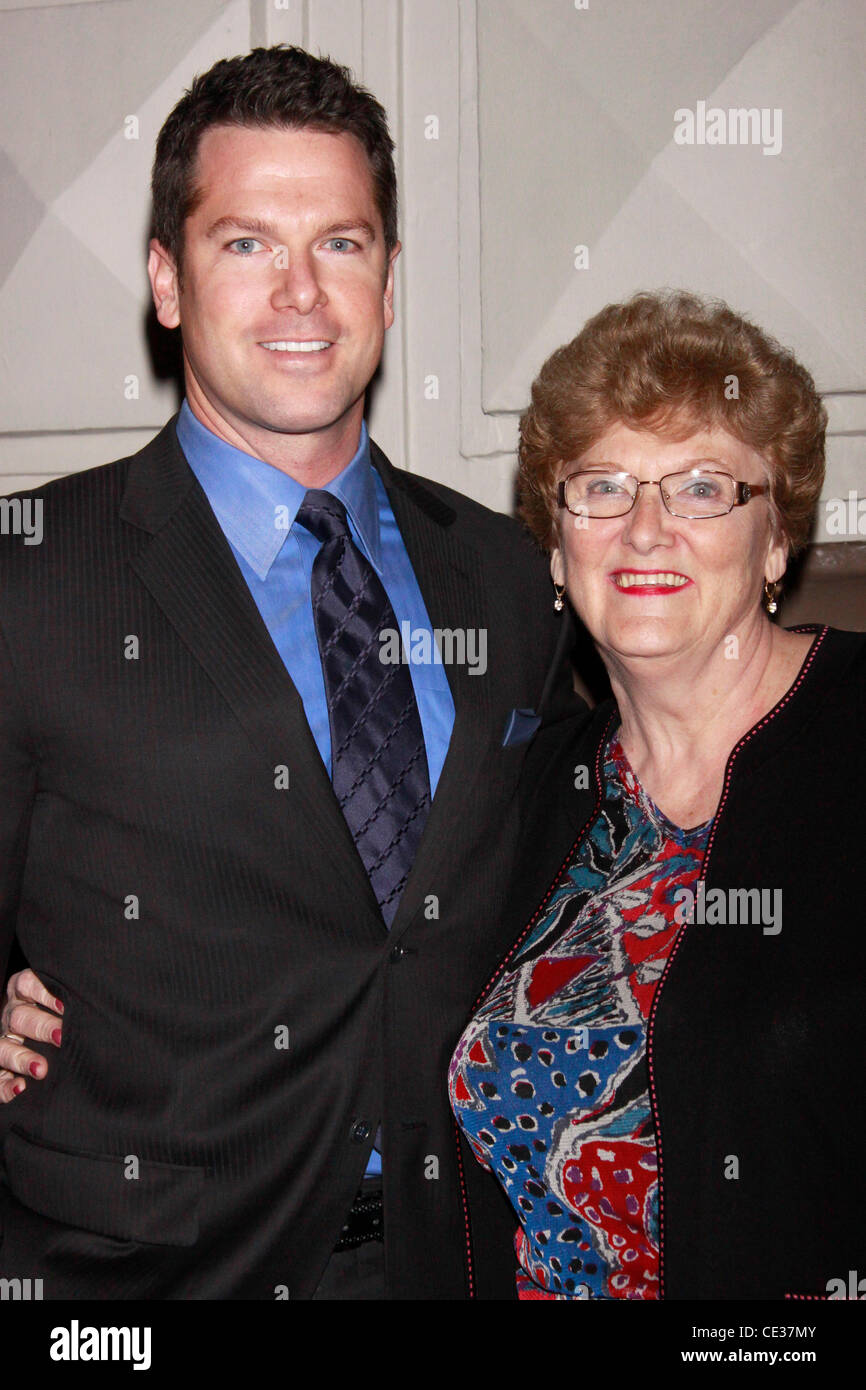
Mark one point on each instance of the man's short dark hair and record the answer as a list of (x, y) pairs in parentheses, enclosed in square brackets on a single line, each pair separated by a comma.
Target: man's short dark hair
[(278, 87)]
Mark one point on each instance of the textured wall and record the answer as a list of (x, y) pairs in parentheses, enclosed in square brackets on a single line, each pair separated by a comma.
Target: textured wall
[(526, 130)]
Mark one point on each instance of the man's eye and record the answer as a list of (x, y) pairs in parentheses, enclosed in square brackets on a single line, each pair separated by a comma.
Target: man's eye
[(341, 243), (244, 245)]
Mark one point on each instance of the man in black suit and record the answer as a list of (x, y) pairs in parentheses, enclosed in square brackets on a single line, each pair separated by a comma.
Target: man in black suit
[(263, 955)]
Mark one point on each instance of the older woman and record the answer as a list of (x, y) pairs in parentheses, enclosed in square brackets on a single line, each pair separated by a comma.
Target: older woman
[(666, 1073)]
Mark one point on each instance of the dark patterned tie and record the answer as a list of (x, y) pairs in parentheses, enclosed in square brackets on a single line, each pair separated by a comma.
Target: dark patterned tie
[(378, 758)]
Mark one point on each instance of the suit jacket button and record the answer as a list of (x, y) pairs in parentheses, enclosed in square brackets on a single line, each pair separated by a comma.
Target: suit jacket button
[(360, 1131), (397, 954)]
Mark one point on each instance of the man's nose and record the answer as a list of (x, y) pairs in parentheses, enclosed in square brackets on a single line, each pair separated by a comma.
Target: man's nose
[(296, 281)]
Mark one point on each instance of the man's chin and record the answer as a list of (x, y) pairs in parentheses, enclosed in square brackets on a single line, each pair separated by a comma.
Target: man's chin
[(282, 417), (295, 426)]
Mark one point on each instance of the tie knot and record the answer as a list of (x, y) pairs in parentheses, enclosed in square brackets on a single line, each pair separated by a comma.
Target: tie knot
[(323, 515)]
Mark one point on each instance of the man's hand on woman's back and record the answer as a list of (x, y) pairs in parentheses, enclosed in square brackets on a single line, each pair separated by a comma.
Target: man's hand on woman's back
[(31, 1012)]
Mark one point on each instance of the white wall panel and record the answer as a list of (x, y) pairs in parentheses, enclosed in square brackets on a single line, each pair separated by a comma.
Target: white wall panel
[(523, 128)]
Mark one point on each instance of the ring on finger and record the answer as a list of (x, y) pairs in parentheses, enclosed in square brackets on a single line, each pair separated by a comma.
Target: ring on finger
[(11, 1037)]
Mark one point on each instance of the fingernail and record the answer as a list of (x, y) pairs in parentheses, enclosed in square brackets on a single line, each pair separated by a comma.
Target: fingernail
[(16, 1090), (56, 1036), (58, 1004), (34, 1068)]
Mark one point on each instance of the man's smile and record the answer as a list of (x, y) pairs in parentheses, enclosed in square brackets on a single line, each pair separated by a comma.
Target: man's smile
[(297, 345)]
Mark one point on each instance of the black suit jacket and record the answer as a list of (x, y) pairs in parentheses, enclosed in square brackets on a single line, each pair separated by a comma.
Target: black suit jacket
[(237, 1018)]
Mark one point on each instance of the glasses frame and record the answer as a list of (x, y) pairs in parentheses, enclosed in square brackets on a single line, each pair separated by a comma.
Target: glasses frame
[(743, 492)]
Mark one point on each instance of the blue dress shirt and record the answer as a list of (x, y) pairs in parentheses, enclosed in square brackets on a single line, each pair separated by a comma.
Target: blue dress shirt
[(256, 505)]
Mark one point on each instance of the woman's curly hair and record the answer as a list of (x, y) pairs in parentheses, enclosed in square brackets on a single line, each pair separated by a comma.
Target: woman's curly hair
[(672, 362)]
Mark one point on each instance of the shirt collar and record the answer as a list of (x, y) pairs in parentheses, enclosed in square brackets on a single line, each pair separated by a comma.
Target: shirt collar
[(256, 504)]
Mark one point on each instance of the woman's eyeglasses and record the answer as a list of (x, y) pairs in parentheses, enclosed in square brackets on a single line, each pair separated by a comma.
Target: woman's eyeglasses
[(696, 494)]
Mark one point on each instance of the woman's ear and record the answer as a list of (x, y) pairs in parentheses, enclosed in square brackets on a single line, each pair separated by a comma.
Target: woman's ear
[(777, 558), (557, 566)]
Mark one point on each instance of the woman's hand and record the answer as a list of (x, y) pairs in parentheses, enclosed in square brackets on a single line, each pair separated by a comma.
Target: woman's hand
[(29, 1011)]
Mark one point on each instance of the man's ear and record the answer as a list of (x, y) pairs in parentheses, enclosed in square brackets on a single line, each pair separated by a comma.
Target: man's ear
[(162, 273), (389, 285)]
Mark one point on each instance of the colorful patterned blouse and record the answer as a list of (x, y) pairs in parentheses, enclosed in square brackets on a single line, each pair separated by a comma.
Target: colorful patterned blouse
[(550, 1081)]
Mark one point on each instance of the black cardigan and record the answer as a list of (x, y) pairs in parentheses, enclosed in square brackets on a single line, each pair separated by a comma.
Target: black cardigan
[(757, 1041)]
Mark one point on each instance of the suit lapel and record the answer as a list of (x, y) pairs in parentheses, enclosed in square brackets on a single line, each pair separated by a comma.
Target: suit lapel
[(189, 569)]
